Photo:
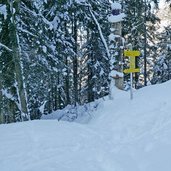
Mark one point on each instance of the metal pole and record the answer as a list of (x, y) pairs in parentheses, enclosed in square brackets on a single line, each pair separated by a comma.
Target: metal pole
[(131, 89), (145, 46)]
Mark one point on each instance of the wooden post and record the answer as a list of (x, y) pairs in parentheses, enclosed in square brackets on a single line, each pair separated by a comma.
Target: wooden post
[(116, 50), (119, 65)]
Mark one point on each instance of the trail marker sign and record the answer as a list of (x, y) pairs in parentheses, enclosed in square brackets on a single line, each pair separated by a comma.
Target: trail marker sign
[(131, 70), (132, 54)]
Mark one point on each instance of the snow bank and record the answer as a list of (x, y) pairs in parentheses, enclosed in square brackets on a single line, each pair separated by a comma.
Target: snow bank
[(81, 114)]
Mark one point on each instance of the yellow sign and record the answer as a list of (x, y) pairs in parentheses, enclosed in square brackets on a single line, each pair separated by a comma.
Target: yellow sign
[(131, 70), (132, 62), (132, 54)]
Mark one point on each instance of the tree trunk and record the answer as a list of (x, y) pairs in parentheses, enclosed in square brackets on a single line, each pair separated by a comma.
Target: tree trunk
[(75, 62), (67, 85), (1, 98), (18, 68)]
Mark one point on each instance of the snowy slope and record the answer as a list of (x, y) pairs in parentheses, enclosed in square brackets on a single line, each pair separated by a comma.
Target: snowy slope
[(123, 135)]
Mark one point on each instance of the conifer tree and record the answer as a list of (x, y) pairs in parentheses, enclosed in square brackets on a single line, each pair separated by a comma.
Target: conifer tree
[(139, 31)]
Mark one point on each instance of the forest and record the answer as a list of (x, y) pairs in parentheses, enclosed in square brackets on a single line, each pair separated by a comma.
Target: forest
[(54, 53)]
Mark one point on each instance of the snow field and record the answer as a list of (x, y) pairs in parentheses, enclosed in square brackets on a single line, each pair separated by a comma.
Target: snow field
[(123, 135)]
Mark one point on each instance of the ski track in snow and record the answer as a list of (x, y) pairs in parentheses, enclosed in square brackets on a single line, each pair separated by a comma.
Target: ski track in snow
[(123, 135)]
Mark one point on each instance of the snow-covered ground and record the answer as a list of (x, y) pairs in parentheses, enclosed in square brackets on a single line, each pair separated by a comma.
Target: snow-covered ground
[(123, 135)]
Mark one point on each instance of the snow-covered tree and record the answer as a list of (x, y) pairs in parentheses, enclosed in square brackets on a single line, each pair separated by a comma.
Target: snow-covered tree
[(11, 61), (139, 31)]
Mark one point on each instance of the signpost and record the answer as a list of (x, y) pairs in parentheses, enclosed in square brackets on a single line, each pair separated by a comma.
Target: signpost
[(132, 54), (116, 41)]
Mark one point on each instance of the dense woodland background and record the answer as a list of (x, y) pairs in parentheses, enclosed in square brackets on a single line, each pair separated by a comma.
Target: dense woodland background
[(52, 54)]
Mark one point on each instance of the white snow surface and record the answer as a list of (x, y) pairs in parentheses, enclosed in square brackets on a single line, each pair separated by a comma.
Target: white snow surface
[(116, 18), (116, 5), (123, 135), (80, 1), (115, 73), (112, 37), (3, 11)]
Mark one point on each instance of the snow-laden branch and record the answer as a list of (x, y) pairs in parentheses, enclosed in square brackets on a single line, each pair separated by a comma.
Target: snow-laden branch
[(3, 11), (100, 32), (27, 32), (9, 96), (4, 46)]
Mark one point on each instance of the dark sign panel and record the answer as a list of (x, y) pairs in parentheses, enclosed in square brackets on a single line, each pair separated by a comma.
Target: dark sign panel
[(115, 11)]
